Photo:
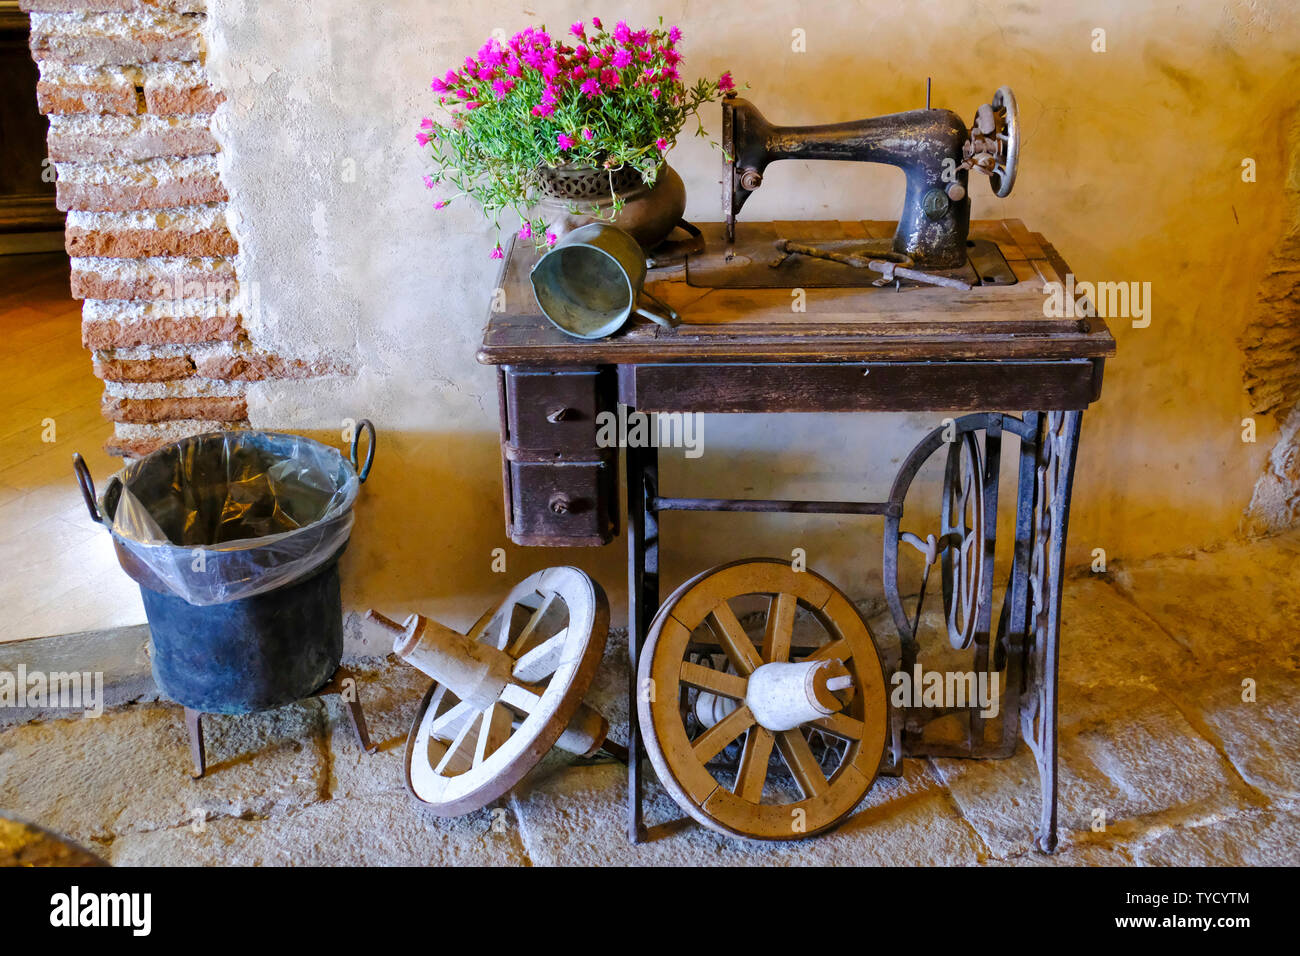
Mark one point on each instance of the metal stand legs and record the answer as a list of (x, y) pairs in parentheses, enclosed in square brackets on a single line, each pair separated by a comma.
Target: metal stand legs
[(642, 478), (341, 684)]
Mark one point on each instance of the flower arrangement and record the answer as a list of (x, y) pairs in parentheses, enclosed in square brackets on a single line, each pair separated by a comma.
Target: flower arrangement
[(607, 99)]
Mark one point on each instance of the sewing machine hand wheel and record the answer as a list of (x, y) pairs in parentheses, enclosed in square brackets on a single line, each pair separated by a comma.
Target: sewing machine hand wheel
[(994, 147), (822, 711)]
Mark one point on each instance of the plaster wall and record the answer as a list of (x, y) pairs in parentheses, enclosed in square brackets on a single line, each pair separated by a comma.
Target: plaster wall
[(1131, 166)]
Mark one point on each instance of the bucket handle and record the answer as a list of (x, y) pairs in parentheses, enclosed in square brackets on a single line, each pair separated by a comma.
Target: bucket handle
[(87, 485), (363, 472), (670, 320)]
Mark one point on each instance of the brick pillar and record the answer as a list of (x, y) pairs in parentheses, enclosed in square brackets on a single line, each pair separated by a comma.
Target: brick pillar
[(130, 110)]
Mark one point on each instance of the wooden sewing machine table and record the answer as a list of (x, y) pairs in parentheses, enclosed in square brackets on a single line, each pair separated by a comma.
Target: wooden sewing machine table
[(989, 353)]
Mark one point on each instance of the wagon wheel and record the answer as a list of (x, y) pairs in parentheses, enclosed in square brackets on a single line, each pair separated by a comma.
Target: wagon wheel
[(837, 690), (462, 755), (963, 532)]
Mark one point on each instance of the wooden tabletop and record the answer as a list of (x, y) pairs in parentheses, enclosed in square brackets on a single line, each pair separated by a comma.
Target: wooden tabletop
[(914, 324)]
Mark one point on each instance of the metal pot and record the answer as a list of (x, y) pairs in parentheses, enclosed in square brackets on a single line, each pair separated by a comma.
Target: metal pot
[(574, 196)]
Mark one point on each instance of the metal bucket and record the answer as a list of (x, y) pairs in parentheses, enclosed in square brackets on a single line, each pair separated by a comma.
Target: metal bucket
[(591, 282), (252, 652)]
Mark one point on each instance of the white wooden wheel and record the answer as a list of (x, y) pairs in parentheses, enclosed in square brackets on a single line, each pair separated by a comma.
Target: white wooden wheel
[(463, 754), (790, 704)]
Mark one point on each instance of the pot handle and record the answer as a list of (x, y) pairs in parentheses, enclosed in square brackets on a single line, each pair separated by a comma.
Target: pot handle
[(670, 320), (365, 425), (87, 485)]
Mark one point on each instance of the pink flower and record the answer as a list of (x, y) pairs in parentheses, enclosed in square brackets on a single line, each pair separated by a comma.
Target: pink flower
[(591, 86), (662, 144), (725, 82), (498, 252), (426, 123), (640, 38), (422, 139), (622, 58), (672, 57), (543, 109), (533, 59), (513, 68), (438, 86), (609, 77), (587, 134), (502, 87), (564, 141), (472, 105), (552, 238), (526, 230), (595, 22), (674, 34), (550, 70), (578, 29), (654, 94), (595, 63), (428, 182), (621, 32), (440, 204)]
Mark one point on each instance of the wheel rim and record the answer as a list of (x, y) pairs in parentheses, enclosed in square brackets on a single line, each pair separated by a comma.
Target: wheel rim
[(682, 761)]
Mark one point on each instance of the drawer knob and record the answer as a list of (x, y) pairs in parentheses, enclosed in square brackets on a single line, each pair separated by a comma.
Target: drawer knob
[(560, 414), (560, 503)]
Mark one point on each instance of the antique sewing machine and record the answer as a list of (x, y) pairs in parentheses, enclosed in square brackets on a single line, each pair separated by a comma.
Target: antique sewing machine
[(935, 314), (934, 149)]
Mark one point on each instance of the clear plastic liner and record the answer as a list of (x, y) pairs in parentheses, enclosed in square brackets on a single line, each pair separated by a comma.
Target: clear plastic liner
[(229, 515)]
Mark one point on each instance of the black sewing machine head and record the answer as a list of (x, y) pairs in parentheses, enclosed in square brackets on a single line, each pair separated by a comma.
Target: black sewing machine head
[(932, 147)]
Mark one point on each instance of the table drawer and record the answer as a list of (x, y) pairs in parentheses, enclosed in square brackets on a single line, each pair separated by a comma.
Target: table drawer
[(556, 411), (563, 503)]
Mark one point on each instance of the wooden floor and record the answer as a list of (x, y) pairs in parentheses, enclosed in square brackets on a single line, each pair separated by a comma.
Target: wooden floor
[(58, 573)]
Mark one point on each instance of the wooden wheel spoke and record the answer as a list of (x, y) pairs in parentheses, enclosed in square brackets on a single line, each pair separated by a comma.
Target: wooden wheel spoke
[(494, 730), (713, 681), (739, 648), (519, 698), (835, 650), (448, 725), (539, 626), (542, 660), (714, 740), (803, 765), (779, 628), (752, 773), (460, 755), (841, 725)]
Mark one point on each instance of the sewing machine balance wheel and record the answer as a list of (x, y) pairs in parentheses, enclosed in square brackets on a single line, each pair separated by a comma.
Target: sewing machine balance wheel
[(705, 684), (506, 692), (1003, 176)]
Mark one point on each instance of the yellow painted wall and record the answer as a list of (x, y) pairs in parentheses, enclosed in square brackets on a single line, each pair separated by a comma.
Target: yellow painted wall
[(1131, 166)]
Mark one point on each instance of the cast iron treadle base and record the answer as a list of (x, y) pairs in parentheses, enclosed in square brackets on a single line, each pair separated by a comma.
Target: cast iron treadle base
[(335, 685)]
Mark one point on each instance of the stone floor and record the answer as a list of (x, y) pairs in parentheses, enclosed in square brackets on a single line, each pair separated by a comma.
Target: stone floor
[(1155, 735)]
